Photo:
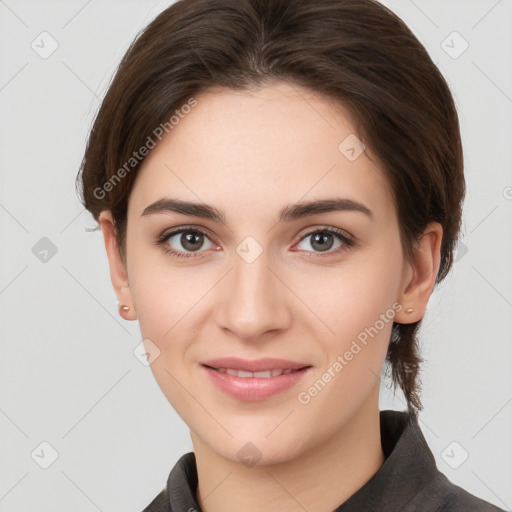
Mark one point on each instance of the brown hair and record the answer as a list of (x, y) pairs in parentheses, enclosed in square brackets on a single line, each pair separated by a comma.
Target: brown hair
[(356, 52)]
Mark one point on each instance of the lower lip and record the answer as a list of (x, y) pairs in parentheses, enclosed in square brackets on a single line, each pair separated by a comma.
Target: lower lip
[(254, 388)]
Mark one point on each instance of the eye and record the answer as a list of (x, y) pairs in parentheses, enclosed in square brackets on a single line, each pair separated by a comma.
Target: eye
[(326, 240), (184, 242), (188, 242)]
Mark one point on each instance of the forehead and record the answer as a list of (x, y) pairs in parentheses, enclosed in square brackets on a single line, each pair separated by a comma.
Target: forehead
[(269, 146)]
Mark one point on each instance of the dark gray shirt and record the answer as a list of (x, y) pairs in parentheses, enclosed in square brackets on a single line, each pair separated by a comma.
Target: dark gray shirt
[(408, 480)]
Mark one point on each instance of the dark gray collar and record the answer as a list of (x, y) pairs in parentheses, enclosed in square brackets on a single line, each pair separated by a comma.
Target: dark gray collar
[(409, 467)]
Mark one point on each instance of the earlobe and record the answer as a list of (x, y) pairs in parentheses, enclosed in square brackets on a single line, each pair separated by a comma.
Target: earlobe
[(420, 275), (118, 272)]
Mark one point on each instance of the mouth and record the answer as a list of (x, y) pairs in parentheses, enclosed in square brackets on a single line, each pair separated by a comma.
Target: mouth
[(275, 372), (254, 380), (264, 367)]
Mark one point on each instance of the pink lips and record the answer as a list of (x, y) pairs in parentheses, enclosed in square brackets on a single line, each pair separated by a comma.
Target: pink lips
[(254, 388)]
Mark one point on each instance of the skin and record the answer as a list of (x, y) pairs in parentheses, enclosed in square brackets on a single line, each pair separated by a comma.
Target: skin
[(250, 154)]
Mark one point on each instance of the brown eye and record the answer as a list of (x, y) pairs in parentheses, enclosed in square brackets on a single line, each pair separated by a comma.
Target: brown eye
[(184, 242), (191, 241), (322, 241), (328, 241)]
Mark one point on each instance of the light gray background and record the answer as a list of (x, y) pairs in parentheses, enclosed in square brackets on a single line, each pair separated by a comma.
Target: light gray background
[(67, 372)]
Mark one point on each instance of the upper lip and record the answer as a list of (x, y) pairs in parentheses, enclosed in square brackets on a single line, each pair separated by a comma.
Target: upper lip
[(254, 365)]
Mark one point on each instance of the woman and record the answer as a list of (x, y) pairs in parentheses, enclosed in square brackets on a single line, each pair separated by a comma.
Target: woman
[(280, 185)]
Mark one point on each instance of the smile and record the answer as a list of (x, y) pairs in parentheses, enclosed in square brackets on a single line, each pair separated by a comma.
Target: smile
[(262, 375), (254, 380)]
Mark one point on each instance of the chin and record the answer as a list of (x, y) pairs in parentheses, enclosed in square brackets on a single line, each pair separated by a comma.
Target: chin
[(251, 455), (257, 449)]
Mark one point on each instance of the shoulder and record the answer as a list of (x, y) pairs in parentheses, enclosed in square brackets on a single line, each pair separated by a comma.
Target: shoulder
[(449, 497), (159, 504), (458, 498)]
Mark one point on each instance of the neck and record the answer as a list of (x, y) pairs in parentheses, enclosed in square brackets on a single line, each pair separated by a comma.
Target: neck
[(320, 479)]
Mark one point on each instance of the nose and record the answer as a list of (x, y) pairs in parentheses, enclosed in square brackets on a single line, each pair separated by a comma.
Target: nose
[(254, 300)]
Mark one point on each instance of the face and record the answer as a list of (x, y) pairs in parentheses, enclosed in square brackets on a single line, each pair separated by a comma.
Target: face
[(250, 274)]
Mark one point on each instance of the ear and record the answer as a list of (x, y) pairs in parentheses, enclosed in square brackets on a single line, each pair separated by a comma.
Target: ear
[(118, 273), (419, 275)]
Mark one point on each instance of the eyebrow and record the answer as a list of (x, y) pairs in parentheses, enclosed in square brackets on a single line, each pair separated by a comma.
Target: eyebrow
[(287, 214)]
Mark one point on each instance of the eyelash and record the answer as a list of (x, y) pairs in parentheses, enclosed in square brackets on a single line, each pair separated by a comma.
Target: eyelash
[(347, 241)]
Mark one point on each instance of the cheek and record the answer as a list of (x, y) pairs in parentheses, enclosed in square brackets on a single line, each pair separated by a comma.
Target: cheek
[(165, 295), (168, 304), (354, 304), (344, 300), (359, 315)]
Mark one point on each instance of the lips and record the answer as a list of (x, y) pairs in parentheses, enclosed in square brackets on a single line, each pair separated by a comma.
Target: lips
[(275, 372), (254, 380), (253, 366)]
